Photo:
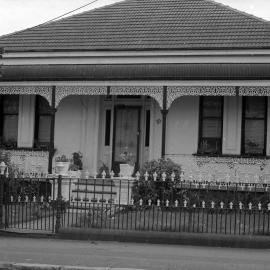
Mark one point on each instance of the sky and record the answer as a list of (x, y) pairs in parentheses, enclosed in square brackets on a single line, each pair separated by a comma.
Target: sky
[(16, 15)]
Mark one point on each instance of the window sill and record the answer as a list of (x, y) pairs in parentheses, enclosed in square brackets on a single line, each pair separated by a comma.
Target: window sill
[(232, 156)]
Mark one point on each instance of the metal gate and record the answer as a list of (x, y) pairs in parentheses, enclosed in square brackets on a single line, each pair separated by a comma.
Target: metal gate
[(30, 203)]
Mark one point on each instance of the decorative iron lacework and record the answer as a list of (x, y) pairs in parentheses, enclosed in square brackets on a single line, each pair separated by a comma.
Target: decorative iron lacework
[(254, 91), (44, 91), (155, 92), (175, 92), (64, 91)]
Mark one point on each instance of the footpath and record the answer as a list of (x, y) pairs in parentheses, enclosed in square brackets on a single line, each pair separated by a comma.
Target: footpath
[(28, 266), (19, 253)]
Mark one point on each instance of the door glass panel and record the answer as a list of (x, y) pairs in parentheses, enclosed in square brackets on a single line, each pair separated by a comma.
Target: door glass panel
[(126, 130)]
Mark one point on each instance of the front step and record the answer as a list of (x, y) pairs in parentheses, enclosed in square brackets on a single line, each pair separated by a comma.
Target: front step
[(101, 191)]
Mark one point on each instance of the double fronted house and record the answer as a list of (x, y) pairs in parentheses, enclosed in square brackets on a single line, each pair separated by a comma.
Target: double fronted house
[(182, 79)]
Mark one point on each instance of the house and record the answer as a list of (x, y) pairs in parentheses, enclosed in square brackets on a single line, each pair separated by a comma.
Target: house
[(184, 79)]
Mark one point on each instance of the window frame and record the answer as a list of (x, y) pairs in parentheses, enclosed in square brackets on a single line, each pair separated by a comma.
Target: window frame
[(201, 118), (243, 152), (37, 143), (2, 115)]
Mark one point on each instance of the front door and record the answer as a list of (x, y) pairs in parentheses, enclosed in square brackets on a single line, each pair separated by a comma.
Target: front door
[(126, 137)]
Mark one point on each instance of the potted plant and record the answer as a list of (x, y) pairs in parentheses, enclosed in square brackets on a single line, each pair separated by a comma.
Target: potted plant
[(127, 168), (62, 164), (76, 167)]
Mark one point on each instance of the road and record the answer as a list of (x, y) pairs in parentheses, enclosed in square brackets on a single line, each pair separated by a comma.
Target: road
[(142, 256)]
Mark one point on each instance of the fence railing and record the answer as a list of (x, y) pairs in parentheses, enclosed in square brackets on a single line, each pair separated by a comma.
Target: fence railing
[(146, 203)]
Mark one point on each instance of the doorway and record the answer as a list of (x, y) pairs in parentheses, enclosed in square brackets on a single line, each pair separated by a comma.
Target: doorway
[(126, 139)]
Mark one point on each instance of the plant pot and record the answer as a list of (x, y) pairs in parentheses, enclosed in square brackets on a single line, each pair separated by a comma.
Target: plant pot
[(126, 170), (62, 167)]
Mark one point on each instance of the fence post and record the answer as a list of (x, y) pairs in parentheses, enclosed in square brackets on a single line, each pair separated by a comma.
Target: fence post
[(58, 204), (2, 178)]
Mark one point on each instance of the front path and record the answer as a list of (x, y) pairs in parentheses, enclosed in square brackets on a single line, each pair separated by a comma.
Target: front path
[(144, 256)]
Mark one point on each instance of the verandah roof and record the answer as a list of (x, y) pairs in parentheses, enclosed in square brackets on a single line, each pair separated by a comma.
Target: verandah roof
[(147, 25), (136, 72)]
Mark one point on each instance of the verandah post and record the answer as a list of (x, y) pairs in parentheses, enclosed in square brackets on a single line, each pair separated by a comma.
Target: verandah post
[(164, 113), (58, 203), (52, 128)]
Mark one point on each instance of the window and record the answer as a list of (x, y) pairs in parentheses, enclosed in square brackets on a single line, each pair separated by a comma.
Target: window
[(108, 128), (147, 128), (254, 125), (42, 123), (211, 121), (9, 120)]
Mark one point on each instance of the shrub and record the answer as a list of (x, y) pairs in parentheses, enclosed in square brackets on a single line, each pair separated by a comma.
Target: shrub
[(105, 168), (159, 189), (12, 168)]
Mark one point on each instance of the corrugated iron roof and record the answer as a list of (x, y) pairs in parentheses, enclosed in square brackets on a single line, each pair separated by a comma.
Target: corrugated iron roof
[(147, 25)]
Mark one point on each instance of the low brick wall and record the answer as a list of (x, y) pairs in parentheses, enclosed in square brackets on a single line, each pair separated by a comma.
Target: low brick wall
[(28, 160), (218, 168)]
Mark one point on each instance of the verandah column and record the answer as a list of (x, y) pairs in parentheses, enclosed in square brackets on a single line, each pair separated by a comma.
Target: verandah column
[(164, 113), (52, 128)]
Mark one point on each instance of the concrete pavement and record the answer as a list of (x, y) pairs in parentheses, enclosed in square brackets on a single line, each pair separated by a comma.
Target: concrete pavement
[(130, 255)]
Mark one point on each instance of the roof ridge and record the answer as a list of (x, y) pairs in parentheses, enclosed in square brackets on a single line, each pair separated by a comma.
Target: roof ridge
[(239, 11)]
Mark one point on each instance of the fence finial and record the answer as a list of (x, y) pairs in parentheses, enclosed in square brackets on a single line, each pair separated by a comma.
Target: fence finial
[(182, 176), (250, 206), (167, 203), (240, 205), (103, 174), (137, 175), (203, 204), (163, 176), (176, 203), (146, 175), (112, 174), (149, 202), (155, 176), (173, 176), (221, 205)]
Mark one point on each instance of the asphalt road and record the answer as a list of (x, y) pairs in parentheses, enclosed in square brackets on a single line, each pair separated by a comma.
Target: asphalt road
[(142, 256)]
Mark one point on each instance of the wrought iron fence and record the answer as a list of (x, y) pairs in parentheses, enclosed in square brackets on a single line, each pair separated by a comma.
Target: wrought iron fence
[(146, 203)]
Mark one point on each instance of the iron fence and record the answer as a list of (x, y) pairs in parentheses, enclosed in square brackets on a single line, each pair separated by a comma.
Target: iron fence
[(158, 204)]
